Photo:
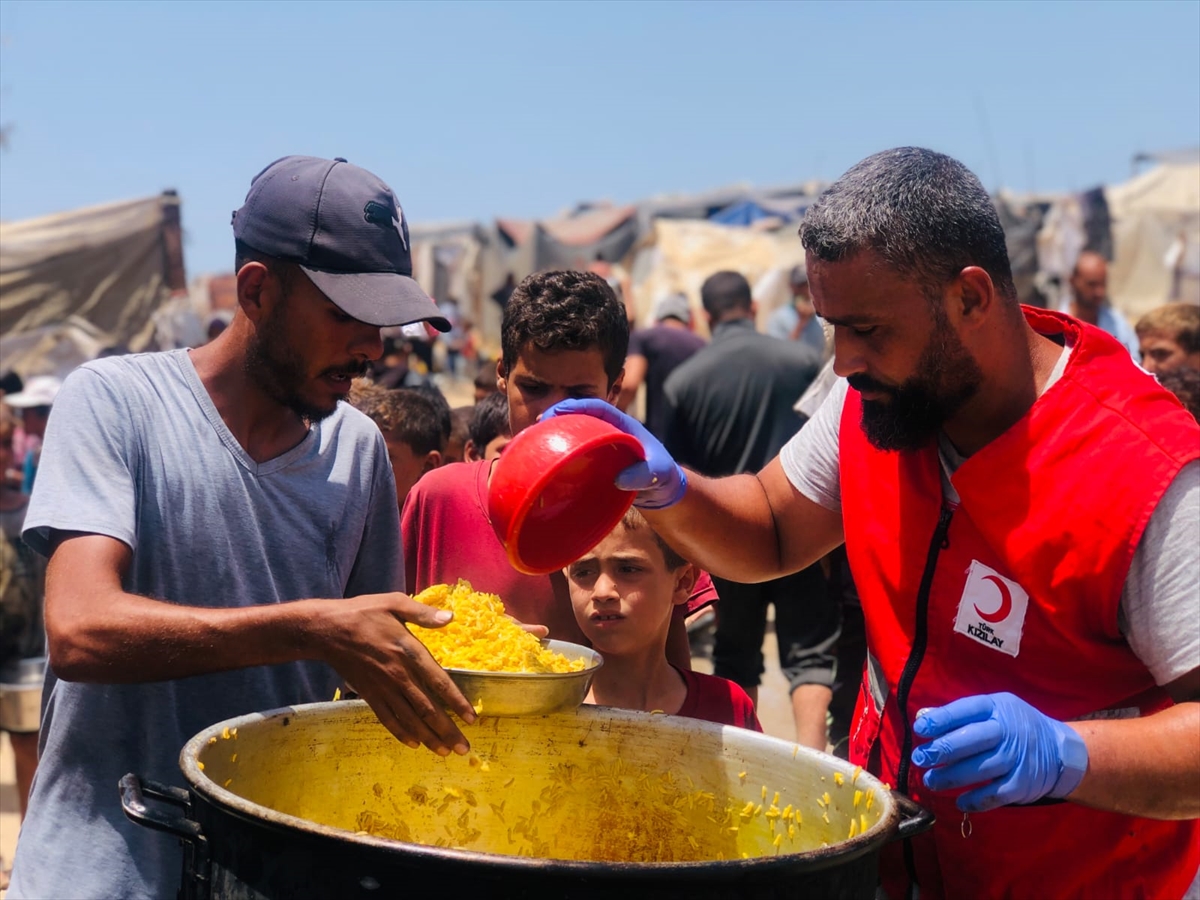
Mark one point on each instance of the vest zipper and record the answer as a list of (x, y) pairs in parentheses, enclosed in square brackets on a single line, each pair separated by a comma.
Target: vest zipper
[(909, 674)]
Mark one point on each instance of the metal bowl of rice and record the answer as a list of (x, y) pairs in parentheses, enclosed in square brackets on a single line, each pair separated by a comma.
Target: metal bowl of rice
[(530, 693)]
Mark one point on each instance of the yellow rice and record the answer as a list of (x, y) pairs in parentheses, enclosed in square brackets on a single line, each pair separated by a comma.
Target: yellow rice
[(481, 638)]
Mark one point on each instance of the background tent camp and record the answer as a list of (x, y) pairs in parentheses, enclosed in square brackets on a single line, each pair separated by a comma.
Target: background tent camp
[(1148, 227), (75, 282), (664, 243), (1156, 235)]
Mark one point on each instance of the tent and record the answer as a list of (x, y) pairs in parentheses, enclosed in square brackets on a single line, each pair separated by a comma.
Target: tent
[(90, 276), (764, 211), (678, 255), (1156, 237)]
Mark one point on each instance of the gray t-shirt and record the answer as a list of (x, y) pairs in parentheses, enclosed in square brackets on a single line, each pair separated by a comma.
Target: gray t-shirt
[(136, 450), (1158, 603)]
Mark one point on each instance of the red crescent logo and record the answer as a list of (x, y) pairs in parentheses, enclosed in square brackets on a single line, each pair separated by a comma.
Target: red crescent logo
[(1005, 602)]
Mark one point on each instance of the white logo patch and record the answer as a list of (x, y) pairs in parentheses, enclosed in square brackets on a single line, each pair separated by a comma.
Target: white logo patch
[(992, 609)]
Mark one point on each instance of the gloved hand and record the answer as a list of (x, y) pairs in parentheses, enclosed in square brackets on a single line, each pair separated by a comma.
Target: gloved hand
[(1018, 754), (659, 481)]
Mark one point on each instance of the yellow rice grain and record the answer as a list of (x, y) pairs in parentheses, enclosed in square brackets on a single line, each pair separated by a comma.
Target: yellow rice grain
[(481, 638)]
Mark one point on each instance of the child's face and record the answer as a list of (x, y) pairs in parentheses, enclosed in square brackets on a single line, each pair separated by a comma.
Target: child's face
[(1163, 354), (623, 593), (538, 380), (407, 465), (495, 445)]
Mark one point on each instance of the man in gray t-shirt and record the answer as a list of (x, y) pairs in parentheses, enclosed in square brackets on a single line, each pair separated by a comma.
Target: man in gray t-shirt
[(223, 532)]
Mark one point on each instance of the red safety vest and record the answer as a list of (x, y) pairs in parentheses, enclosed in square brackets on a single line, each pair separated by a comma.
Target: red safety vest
[(1017, 589)]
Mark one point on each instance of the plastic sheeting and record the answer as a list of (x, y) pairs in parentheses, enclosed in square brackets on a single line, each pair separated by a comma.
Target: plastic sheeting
[(1153, 213), (680, 254), (101, 269)]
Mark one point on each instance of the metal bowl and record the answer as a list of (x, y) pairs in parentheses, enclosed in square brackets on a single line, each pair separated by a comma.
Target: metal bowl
[(529, 693)]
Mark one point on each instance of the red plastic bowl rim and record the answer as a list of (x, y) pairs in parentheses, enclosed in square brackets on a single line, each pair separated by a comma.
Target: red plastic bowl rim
[(526, 505)]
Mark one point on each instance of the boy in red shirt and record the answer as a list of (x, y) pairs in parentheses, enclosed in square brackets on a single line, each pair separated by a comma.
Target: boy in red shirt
[(624, 592), (564, 335)]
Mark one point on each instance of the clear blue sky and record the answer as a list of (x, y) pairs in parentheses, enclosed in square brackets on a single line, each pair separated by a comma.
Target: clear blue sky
[(476, 110)]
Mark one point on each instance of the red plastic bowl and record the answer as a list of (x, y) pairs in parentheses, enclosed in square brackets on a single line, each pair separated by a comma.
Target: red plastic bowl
[(552, 497)]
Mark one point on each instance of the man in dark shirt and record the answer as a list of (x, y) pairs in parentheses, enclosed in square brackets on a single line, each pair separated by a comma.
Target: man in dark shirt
[(729, 409), (655, 352)]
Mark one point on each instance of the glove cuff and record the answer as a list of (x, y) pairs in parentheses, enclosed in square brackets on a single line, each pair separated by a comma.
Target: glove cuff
[(662, 495), (1073, 756)]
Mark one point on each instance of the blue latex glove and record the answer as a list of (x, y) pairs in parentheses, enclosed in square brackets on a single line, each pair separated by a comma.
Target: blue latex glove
[(1016, 753), (659, 481)]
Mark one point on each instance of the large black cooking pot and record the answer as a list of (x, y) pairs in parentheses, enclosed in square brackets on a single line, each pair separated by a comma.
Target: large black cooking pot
[(321, 801)]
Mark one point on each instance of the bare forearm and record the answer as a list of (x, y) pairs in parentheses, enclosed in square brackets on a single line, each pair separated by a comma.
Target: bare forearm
[(151, 640), (725, 526), (1145, 767)]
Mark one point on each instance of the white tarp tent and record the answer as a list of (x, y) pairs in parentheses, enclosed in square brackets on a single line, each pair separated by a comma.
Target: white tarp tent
[(1156, 238)]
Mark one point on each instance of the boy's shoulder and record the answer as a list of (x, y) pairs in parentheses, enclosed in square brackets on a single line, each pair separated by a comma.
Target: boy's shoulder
[(453, 480), (456, 493), (719, 700)]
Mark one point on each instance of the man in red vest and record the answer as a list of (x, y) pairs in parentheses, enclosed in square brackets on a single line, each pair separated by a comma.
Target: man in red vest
[(1019, 504)]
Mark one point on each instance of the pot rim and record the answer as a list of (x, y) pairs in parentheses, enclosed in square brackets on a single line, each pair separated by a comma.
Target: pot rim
[(837, 853)]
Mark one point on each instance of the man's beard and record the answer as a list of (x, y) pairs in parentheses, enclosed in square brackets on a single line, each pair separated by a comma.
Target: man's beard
[(947, 377), (276, 367)]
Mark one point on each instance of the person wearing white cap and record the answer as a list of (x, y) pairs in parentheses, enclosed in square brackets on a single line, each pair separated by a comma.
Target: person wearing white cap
[(34, 401), (223, 533)]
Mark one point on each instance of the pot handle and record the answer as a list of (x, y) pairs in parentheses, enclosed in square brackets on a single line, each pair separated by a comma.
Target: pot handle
[(133, 800), (915, 819)]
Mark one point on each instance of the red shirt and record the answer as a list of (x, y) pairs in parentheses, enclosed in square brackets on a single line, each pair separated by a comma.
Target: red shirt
[(447, 536), (717, 700)]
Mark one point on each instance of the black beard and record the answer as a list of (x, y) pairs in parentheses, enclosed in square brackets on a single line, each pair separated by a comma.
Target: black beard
[(947, 377), (279, 370)]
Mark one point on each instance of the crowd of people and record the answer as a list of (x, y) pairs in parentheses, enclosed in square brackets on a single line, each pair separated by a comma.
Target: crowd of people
[(975, 523)]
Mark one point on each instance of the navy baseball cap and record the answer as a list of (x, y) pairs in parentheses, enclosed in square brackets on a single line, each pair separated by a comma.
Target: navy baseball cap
[(346, 230)]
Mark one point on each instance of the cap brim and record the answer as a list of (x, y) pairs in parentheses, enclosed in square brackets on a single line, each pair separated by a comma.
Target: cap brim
[(378, 298), (27, 401)]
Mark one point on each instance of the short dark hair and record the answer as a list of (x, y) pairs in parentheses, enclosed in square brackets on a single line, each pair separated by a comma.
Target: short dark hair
[(566, 310), (485, 378), (1179, 322), (635, 521), (924, 213), (11, 383), (243, 253), (490, 421), (440, 404), (1184, 383), (723, 292), (460, 423), (410, 415)]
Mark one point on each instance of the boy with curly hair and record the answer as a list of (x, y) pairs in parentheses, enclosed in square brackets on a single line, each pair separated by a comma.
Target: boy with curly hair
[(564, 335)]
